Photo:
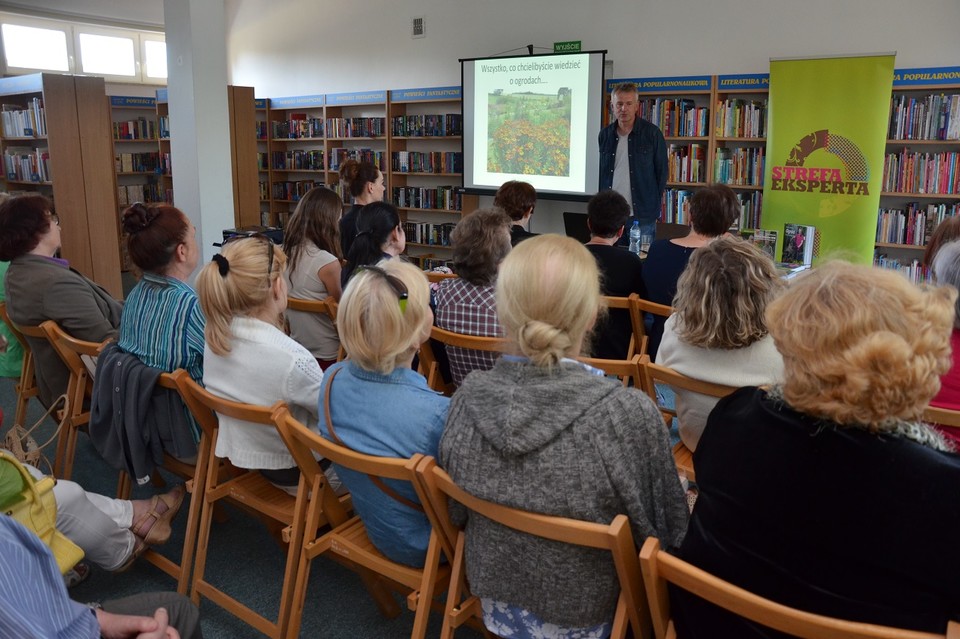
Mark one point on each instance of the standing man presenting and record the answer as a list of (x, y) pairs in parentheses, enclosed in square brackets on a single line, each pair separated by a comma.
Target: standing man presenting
[(633, 159)]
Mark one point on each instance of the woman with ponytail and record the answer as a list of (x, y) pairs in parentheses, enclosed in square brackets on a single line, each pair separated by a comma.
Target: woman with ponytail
[(162, 323), (543, 432), (381, 236), (364, 182)]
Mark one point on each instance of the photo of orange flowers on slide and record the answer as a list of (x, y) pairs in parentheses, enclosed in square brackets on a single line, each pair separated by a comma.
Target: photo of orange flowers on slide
[(529, 133)]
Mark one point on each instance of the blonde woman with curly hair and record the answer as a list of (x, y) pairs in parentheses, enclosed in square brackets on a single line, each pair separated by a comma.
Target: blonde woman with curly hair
[(248, 358), (543, 432), (718, 332), (379, 405), (827, 493)]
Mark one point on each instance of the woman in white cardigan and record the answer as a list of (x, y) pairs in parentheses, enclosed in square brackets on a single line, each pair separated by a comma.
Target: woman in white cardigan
[(248, 358), (717, 332)]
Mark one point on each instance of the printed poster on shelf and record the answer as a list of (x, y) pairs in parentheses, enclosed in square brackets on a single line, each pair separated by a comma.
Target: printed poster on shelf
[(825, 149)]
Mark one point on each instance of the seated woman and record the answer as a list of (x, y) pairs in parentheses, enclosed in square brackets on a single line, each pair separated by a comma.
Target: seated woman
[(380, 236), (718, 332), (712, 210), (517, 199), (162, 323), (540, 428), (248, 358), (312, 242), (364, 182), (384, 318), (466, 304), (40, 287), (946, 271), (827, 494)]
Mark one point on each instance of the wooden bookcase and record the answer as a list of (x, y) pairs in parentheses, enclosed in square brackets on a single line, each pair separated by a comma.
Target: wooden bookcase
[(78, 150), (296, 158), (426, 167)]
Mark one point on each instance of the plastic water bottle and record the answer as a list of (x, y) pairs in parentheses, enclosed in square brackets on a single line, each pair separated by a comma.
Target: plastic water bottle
[(635, 237)]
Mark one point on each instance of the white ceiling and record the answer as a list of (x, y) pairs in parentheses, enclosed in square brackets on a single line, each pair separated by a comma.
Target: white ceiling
[(133, 12)]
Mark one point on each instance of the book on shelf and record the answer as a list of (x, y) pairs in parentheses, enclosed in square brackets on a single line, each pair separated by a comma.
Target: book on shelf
[(440, 197), (27, 165), (448, 124), (798, 241), (766, 241), (428, 233), (20, 121), (914, 223), (931, 117), (912, 172)]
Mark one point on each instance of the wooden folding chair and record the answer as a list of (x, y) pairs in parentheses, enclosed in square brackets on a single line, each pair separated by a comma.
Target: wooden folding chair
[(941, 416), (661, 568), (27, 386), (458, 340), (79, 389), (437, 487), (326, 307), (436, 277), (429, 367), (348, 541), (636, 320), (625, 369), (638, 309), (251, 491), (653, 373)]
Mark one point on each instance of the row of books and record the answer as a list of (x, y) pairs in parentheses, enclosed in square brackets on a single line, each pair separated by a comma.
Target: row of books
[(305, 160), (912, 270), (356, 127), (298, 127), (148, 162), (741, 118), (441, 197), (914, 223), (163, 127), (739, 166), (434, 162), (673, 206), (341, 155), (27, 165), (127, 195), (428, 262), (913, 172), (24, 122), (676, 117), (686, 163), (292, 191), (751, 208), (428, 233), (426, 125), (139, 129), (932, 117)]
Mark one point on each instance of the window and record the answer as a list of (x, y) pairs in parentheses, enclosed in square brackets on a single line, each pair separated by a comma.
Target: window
[(119, 55)]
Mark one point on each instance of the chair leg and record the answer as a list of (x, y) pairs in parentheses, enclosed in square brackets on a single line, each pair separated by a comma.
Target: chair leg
[(428, 586), (124, 486), (455, 591), (203, 541)]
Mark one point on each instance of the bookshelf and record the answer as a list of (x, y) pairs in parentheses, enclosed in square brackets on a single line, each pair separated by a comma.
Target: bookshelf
[(163, 141), (262, 124), (243, 152), (71, 160), (296, 157), (426, 167)]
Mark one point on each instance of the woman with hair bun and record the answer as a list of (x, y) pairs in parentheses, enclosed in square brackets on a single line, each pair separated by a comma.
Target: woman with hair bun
[(248, 358), (381, 236), (162, 322), (364, 182), (384, 318), (827, 494), (543, 432), (312, 242)]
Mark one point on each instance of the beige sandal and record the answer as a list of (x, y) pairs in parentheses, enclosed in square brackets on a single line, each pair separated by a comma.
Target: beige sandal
[(154, 526)]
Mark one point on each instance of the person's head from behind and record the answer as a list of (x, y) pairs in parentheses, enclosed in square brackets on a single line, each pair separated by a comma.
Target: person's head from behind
[(28, 222), (624, 103), (861, 345), (713, 209), (385, 315), (723, 293), (517, 199), (363, 181), (946, 271), (946, 231), (548, 296), (315, 220), (607, 213), (243, 280), (480, 242), (379, 232), (161, 240)]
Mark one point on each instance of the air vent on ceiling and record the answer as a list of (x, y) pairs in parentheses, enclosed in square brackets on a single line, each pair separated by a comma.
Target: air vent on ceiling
[(419, 30)]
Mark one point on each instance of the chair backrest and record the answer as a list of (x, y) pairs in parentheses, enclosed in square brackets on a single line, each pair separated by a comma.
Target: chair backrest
[(654, 373), (475, 342), (13, 327), (942, 416), (638, 308), (326, 307), (625, 369), (661, 568), (205, 406), (436, 487), (436, 277), (429, 367), (72, 350), (636, 319)]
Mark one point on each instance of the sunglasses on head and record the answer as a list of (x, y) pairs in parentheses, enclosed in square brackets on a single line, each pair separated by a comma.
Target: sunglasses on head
[(256, 236), (395, 283)]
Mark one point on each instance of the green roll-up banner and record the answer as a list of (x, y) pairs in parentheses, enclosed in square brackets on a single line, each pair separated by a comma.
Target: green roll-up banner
[(827, 130)]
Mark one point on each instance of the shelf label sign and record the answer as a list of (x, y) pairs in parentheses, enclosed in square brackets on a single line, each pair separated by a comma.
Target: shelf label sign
[(743, 82), (369, 97), (132, 101), (425, 94), (825, 149), (570, 46), (680, 84), (926, 77)]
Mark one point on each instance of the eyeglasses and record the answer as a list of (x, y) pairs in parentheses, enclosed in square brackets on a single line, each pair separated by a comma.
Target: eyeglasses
[(257, 236), (395, 283)]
